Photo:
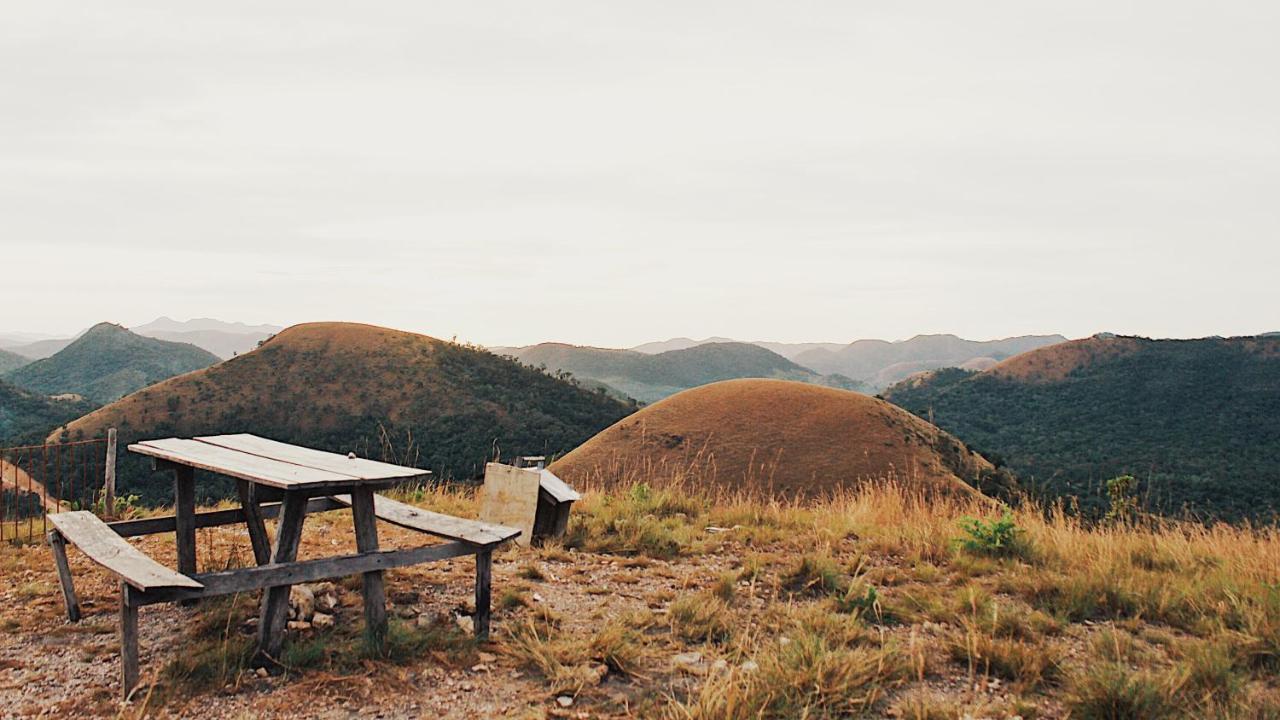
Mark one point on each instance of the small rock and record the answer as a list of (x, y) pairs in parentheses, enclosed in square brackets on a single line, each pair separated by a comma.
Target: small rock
[(720, 664), (487, 658), (464, 623), (690, 662), (749, 666), (537, 597), (564, 701), (424, 620), (479, 667), (299, 625), (784, 640), (302, 602), (261, 672), (322, 620)]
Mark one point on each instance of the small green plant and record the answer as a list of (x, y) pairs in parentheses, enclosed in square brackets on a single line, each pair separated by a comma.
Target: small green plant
[(860, 600), (997, 538), (1109, 691), (1122, 499), (815, 573)]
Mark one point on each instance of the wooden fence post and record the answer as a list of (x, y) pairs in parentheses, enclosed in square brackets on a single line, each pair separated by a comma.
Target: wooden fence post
[(109, 487)]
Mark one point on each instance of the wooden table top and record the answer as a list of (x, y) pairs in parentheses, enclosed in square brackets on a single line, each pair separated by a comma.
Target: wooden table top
[(277, 464)]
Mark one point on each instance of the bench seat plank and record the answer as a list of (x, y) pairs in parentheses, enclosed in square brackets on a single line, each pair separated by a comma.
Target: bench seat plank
[(102, 545), (433, 523), (318, 459)]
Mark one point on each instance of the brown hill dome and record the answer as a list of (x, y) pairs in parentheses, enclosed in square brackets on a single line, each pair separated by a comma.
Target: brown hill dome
[(778, 438)]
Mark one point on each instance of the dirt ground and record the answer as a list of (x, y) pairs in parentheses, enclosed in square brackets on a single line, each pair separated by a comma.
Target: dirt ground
[(50, 667)]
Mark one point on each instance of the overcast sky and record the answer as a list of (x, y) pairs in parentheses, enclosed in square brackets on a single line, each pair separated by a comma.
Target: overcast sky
[(608, 173)]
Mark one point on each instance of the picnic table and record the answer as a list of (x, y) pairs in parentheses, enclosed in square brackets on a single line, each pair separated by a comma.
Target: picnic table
[(283, 481)]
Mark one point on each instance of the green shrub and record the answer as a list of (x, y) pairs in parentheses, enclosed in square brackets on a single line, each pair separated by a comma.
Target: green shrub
[(997, 538)]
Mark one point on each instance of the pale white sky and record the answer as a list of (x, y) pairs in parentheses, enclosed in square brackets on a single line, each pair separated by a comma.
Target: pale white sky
[(610, 173)]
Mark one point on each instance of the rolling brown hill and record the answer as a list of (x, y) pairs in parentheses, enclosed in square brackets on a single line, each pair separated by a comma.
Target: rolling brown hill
[(382, 393), (778, 438)]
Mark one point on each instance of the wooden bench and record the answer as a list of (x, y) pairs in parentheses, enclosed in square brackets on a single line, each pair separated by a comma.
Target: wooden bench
[(145, 581)]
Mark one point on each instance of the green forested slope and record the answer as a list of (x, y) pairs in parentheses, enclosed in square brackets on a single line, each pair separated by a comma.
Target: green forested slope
[(1196, 421)]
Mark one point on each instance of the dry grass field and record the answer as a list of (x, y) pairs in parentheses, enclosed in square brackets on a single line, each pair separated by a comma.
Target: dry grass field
[(665, 602)]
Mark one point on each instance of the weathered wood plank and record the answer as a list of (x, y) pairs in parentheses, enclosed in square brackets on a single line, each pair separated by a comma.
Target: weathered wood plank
[(184, 512), (375, 600), (59, 547), (318, 459), (128, 642), (102, 545), (252, 511), (214, 518), (433, 523), (484, 575), (241, 465), (228, 582), (275, 601), (558, 489)]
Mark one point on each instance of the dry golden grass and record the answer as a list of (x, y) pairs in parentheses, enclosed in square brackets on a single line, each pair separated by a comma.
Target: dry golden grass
[(854, 605)]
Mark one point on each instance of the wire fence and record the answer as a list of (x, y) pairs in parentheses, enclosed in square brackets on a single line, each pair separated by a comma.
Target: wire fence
[(39, 480)]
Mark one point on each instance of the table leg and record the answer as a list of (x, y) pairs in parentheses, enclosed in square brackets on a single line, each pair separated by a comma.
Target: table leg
[(275, 600), (252, 510), (375, 601), (128, 640), (484, 572), (184, 511)]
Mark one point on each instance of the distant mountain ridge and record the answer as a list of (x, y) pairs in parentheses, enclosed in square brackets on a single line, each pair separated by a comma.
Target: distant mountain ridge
[(649, 378), (224, 339), (878, 364), (1196, 421), (11, 361), (108, 362), (881, 363), (167, 324)]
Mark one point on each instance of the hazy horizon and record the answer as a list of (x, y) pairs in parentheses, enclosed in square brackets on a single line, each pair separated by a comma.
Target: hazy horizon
[(610, 175)]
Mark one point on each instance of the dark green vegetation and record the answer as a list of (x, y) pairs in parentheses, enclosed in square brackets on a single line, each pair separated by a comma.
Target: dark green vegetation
[(1197, 422), (381, 393), (107, 363), (649, 378), (11, 361), (879, 363), (25, 417)]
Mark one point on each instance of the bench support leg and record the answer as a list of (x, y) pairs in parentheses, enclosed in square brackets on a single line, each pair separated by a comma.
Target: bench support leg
[(484, 573), (128, 641), (275, 600), (375, 601), (59, 546), (252, 510), (184, 511)]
